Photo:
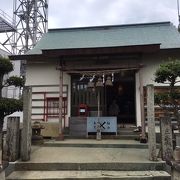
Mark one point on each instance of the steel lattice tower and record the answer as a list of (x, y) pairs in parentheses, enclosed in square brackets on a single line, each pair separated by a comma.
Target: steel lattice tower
[(30, 22), (7, 32), (31, 18)]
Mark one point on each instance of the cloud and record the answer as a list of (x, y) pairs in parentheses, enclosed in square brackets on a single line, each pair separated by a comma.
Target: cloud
[(100, 12), (68, 13), (136, 11)]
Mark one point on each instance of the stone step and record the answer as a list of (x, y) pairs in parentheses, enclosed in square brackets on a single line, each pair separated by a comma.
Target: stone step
[(77, 160), (95, 145), (118, 136), (126, 175), (126, 129), (105, 166), (128, 133), (128, 136)]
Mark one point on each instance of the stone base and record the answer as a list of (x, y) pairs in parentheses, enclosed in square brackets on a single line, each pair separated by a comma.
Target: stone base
[(50, 129), (37, 140), (175, 174), (177, 154), (143, 140), (60, 137), (2, 175)]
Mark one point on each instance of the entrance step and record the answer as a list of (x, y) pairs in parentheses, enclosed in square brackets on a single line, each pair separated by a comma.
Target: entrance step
[(88, 143), (126, 175), (75, 162), (105, 166), (128, 136), (122, 133), (121, 136), (127, 131)]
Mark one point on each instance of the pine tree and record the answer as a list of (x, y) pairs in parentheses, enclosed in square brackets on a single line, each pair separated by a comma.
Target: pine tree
[(7, 105)]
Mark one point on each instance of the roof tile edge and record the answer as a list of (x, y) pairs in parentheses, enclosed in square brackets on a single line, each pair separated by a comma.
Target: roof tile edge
[(103, 27)]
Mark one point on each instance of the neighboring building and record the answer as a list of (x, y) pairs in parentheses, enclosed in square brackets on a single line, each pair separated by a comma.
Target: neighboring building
[(128, 54), (11, 91)]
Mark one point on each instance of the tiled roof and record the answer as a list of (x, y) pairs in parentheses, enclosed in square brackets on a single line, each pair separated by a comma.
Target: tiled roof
[(164, 33)]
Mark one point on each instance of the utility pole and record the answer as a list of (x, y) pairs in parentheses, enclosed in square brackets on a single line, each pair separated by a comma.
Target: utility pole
[(178, 16)]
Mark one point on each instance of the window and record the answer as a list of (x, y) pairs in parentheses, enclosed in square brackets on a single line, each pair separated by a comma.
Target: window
[(52, 107)]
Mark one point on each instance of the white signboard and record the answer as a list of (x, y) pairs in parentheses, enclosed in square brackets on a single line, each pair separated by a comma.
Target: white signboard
[(107, 124)]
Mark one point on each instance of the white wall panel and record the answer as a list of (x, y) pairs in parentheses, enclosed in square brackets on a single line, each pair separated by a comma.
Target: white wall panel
[(42, 74), (37, 117), (37, 110)]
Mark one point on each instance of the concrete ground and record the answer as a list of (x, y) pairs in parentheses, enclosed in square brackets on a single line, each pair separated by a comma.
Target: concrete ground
[(82, 162), (94, 141), (86, 154), (128, 175)]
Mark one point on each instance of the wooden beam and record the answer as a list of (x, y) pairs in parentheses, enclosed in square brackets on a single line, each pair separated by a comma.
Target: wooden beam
[(143, 138), (61, 137), (99, 71), (103, 68), (102, 50), (55, 53)]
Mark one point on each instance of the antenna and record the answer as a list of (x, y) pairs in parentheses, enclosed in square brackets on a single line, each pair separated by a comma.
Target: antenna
[(178, 15)]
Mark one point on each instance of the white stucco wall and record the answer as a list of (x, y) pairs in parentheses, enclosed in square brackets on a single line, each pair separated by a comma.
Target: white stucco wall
[(39, 74), (42, 74), (150, 64), (148, 71), (44, 77)]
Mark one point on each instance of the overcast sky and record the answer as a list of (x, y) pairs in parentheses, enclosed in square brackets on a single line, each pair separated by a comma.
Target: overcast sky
[(71, 13)]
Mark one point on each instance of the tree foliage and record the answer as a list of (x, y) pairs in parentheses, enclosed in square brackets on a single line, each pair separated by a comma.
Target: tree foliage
[(15, 81), (169, 73), (8, 106), (5, 66)]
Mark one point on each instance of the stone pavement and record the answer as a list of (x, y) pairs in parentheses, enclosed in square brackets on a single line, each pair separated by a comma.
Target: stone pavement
[(83, 153), (128, 175), (83, 160)]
